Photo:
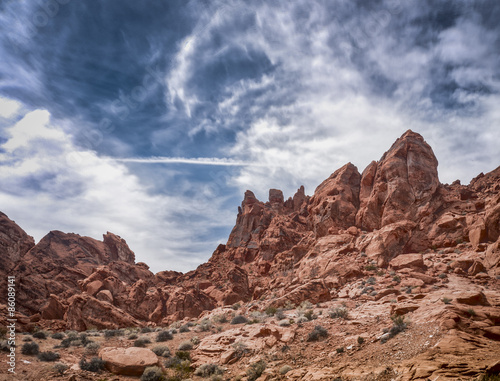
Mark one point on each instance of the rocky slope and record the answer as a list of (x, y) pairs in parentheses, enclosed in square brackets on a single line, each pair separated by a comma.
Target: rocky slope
[(389, 241)]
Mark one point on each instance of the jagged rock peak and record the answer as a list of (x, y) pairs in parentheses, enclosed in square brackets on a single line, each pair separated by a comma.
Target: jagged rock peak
[(392, 189), (276, 196)]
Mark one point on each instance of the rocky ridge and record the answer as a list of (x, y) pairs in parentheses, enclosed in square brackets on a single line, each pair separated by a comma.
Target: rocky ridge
[(390, 241)]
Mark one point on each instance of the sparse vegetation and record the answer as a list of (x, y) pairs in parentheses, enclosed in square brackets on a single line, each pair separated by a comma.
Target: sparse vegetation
[(371, 280), (146, 330), (236, 306), (31, 349), (220, 319), (60, 368), (361, 340), (40, 335), (48, 356), (207, 370), (339, 313), (317, 333), (184, 328), (57, 335), (239, 319), (398, 325), (340, 350), (446, 300), (442, 276), (112, 333), (92, 348), (162, 351), (185, 346), (280, 315), (132, 336), (141, 342), (471, 312), (396, 278), (152, 373), (94, 365), (164, 336), (309, 315), (240, 349), (255, 370), (271, 310), (371, 267)]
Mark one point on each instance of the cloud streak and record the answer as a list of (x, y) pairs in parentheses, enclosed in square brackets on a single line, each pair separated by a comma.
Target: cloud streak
[(184, 160)]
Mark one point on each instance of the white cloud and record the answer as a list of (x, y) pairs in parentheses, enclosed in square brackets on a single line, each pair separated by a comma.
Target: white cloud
[(8, 108), (49, 184)]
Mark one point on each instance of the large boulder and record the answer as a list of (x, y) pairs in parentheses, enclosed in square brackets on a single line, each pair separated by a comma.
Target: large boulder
[(128, 361)]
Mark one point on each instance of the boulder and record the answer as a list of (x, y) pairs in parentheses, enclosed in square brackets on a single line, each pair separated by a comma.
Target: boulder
[(128, 361), (413, 261)]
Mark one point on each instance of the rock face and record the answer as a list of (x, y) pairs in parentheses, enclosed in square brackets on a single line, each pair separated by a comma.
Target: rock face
[(283, 251), (14, 243), (397, 186), (336, 201)]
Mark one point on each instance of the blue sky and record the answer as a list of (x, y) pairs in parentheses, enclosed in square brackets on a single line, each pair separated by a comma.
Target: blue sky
[(150, 119)]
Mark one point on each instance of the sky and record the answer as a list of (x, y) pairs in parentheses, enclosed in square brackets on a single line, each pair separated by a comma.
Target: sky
[(151, 118)]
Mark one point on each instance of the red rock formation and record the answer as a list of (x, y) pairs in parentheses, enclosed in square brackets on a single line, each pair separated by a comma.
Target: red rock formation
[(402, 182), (302, 248)]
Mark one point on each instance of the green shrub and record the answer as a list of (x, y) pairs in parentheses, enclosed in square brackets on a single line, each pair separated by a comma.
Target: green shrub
[(339, 313), (152, 373), (361, 340), (446, 300), (60, 368), (111, 333), (40, 335), (185, 346), (164, 336), (309, 315), (340, 350), (183, 355), (132, 336), (161, 350), (31, 348), (48, 356), (398, 325), (146, 330), (317, 333), (239, 319), (141, 342), (471, 312), (255, 370), (236, 306), (184, 328), (94, 365), (371, 267), (207, 370), (220, 319), (280, 315), (92, 348), (240, 349), (27, 338), (271, 310), (57, 335), (371, 280)]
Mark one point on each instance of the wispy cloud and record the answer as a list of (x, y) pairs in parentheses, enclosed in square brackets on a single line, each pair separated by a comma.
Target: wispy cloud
[(184, 160)]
